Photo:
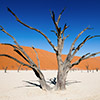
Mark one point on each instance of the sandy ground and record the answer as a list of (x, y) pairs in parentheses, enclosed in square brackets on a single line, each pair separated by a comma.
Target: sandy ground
[(24, 86)]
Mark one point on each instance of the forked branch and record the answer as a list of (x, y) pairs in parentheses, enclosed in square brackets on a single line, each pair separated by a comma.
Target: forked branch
[(19, 47), (17, 50), (82, 43), (15, 60), (65, 27), (64, 38), (32, 28), (31, 65), (78, 61), (70, 56), (62, 42), (72, 46), (59, 32), (86, 56), (53, 18), (91, 55)]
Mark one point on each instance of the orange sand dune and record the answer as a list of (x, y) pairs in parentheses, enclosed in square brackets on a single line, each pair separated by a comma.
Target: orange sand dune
[(47, 59)]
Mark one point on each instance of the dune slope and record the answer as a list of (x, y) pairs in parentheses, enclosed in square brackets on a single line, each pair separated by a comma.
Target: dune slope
[(47, 59)]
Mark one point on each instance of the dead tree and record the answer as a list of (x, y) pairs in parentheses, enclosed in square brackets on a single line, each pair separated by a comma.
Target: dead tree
[(63, 66), (5, 69), (18, 68), (97, 69), (87, 68)]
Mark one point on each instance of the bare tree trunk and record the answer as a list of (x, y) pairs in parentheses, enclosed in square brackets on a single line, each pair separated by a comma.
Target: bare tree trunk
[(61, 75), (61, 80)]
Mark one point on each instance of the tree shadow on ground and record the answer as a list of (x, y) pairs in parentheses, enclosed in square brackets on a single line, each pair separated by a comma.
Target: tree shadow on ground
[(31, 84), (68, 82)]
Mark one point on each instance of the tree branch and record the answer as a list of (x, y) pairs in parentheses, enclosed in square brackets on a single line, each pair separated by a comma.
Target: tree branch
[(82, 43), (20, 48), (93, 36), (16, 49), (59, 17), (62, 42), (65, 27), (72, 46), (54, 32), (86, 56), (65, 37), (37, 57), (53, 18), (78, 61), (93, 54), (32, 66), (69, 56), (33, 29), (38, 73), (15, 60)]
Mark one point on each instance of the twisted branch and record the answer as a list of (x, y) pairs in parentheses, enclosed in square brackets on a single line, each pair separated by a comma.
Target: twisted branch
[(20, 48), (82, 43), (93, 54), (32, 28), (16, 60), (72, 46), (86, 56), (17, 50)]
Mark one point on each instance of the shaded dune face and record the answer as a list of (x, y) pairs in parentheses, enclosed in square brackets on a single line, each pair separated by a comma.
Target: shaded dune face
[(47, 59)]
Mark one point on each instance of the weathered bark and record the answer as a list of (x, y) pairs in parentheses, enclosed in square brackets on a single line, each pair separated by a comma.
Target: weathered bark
[(61, 79), (63, 70), (42, 80), (61, 75)]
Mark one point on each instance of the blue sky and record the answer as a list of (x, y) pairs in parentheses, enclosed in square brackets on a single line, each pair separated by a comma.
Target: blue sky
[(78, 14)]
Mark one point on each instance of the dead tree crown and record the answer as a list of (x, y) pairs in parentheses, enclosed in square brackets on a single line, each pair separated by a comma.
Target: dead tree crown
[(63, 66)]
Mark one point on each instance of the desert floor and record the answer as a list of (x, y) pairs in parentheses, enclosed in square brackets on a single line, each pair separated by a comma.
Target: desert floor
[(24, 86)]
